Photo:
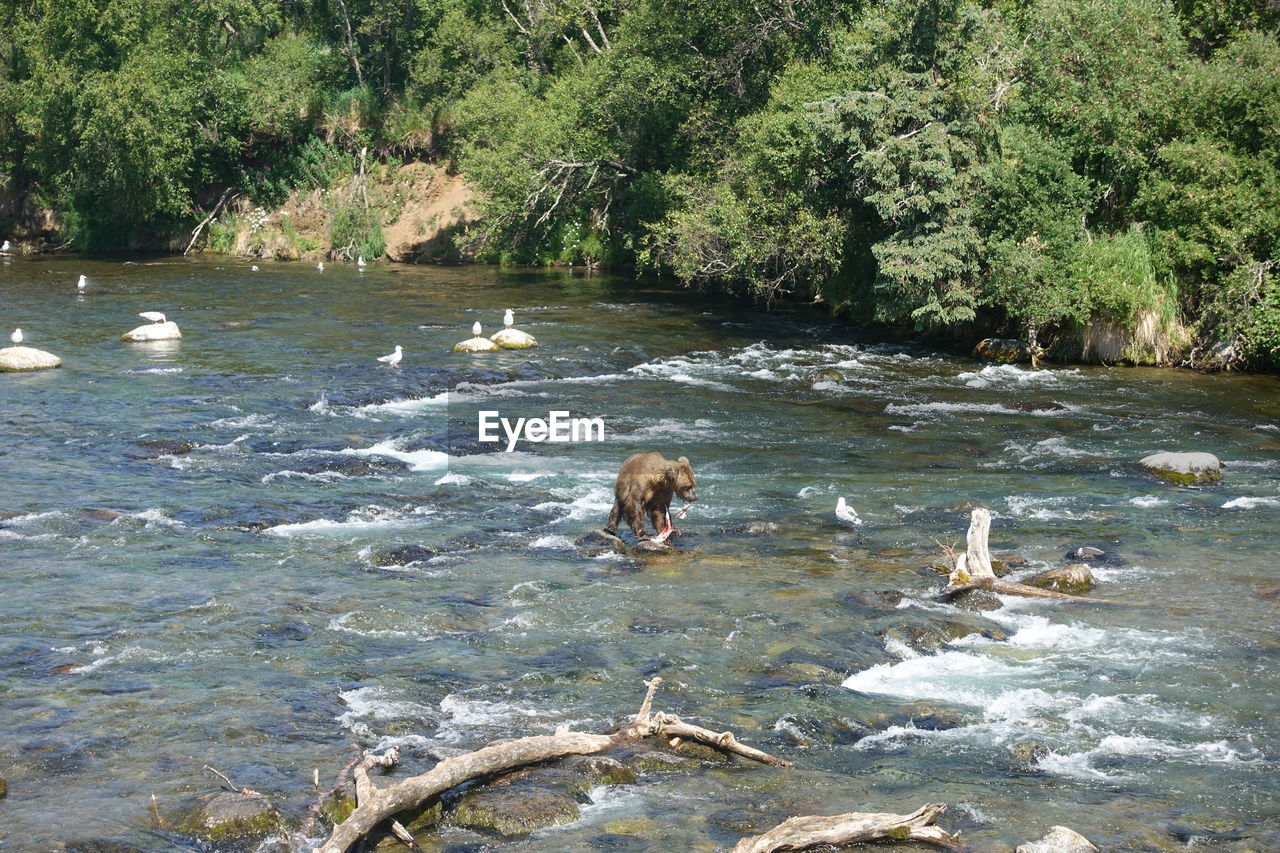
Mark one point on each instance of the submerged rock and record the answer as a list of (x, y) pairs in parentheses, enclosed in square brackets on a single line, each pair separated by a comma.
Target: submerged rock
[(166, 331), (1026, 755), (153, 448), (15, 359), (1059, 840), (1075, 579), (4, 787), (757, 528), (1184, 469), (827, 374), (226, 816), (885, 599), (402, 555), (598, 542), (1002, 350), (1029, 406), (513, 811)]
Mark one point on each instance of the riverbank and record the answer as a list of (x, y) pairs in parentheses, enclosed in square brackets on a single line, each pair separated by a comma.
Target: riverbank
[(419, 212)]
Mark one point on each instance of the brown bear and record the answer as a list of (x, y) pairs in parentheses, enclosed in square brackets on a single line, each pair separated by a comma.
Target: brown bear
[(645, 484)]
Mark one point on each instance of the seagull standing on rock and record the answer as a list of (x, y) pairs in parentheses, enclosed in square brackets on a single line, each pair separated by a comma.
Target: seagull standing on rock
[(508, 319), (845, 513), (393, 359), (475, 330), (153, 316), (5, 247), (16, 337)]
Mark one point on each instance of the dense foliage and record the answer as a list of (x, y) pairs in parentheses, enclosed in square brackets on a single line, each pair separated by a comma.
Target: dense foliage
[(1041, 164)]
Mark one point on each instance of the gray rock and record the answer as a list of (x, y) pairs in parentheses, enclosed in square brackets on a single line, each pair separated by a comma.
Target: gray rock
[(1003, 350), (648, 546), (513, 811), (1184, 469), (977, 600), (758, 528), (27, 358), (1026, 755), (1059, 840), (598, 542), (226, 816), (1075, 579)]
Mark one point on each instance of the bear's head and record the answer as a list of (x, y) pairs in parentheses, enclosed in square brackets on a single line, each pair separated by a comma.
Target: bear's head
[(680, 475)]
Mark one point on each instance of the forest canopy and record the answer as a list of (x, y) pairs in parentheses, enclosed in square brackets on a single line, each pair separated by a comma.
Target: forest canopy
[(1037, 163)]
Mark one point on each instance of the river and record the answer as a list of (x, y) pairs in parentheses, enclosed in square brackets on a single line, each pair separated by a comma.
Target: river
[(198, 552)]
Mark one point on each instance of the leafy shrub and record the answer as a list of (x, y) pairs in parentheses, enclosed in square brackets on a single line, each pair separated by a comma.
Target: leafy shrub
[(356, 231)]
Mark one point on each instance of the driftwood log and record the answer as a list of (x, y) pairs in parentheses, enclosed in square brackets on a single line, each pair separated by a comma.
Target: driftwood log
[(973, 569), (376, 804), (804, 833)]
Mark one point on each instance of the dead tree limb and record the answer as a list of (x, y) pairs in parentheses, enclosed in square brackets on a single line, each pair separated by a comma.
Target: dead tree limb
[(973, 569), (375, 805), (804, 833), (213, 214)]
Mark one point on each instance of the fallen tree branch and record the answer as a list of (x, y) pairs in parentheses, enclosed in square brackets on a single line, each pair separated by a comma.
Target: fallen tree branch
[(973, 569), (213, 214), (374, 805), (803, 833)]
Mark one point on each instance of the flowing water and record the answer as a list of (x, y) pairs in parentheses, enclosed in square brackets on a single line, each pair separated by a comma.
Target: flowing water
[(203, 556)]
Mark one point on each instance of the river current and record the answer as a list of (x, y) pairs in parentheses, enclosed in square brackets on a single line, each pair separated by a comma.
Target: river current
[(257, 546)]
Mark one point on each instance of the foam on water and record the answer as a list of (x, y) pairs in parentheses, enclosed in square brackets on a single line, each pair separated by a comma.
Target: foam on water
[(374, 703), (366, 519), (1148, 501), (1047, 508), (553, 542), (318, 477), (418, 460), (464, 718), (1251, 503), (1011, 375)]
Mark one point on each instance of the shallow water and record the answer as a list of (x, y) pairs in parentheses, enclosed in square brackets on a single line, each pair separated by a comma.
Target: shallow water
[(237, 611)]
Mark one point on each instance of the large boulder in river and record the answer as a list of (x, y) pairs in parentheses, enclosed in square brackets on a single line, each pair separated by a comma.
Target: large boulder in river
[(1002, 350), (1185, 469), (513, 339), (1074, 579), (166, 331), (1059, 840), (27, 358), (476, 344)]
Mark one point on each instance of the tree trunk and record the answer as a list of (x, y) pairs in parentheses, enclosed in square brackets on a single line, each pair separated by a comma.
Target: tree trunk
[(803, 833)]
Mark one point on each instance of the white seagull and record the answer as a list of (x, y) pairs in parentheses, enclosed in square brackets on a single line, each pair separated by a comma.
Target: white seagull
[(845, 513), (16, 337), (393, 359), (82, 283), (320, 266), (360, 262), (5, 247), (253, 268), (153, 316), (508, 319), (475, 330)]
